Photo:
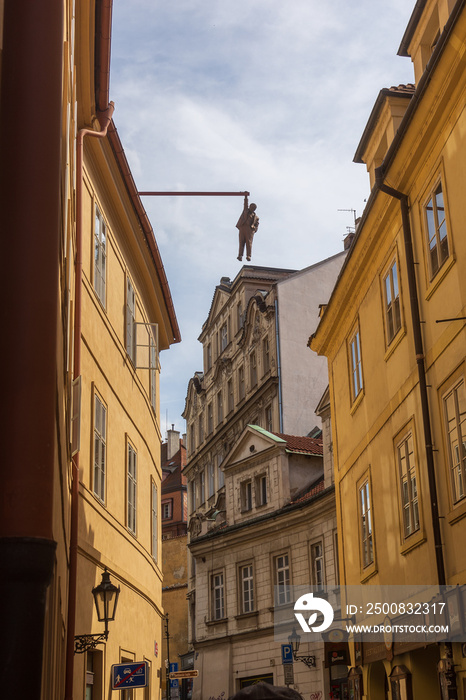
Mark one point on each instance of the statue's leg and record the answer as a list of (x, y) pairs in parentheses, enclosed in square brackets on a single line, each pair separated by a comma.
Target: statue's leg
[(249, 246), (241, 245)]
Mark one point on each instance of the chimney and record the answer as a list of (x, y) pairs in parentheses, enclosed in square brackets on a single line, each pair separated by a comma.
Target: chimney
[(173, 442)]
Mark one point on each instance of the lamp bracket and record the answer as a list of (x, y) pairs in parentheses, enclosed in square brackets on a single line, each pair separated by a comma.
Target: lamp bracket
[(310, 661), (87, 642)]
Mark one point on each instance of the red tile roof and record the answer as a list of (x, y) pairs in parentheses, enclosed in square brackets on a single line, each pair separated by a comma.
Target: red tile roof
[(296, 443)]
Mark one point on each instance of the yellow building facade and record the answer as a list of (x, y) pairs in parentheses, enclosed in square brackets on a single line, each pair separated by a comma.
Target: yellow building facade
[(397, 357), (91, 309)]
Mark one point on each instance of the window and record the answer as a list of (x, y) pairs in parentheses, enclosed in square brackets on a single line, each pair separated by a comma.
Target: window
[(93, 675), (365, 515), (220, 474), (223, 337), (154, 522), (131, 488), (217, 596), (392, 302), (266, 354), (191, 438), (167, 509), (211, 477), (437, 235), (100, 447), (209, 356), (455, 416), (231, 395), (261, 490), (282, 579), (253, 367), (246, 495), (268, 419), (192, 494), (201, 487), (100, 255), (210, 419), (408, 485), (220, 407), (152, 372), (241, 387), (130, 321), (239, 315), (317, 564), (356, 364), (201, 428), (246, 588)]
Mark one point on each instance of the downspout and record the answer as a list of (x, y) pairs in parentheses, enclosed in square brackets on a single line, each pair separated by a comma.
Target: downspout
[(279, 371), (419, 350), (104, 118)]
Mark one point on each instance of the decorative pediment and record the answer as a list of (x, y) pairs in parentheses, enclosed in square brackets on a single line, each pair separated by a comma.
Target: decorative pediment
[(257, 313), (252, 441), (221, 296)]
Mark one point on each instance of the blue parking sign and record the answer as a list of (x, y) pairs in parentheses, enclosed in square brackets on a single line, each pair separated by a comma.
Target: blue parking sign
[(287, 654)]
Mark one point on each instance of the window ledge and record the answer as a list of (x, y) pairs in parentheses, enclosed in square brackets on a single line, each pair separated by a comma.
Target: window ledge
[(368, 572), (395, 342), (243, 616), (458, 512), (438, 279), (357, 402), (221, 621), (413, 541)]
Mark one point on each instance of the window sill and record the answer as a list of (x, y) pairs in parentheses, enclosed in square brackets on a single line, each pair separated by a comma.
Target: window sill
[(221, 621), (243, 616), (457, 513), (357, 401), (413, 541), (396, 340), (368, 572), (435, 282)]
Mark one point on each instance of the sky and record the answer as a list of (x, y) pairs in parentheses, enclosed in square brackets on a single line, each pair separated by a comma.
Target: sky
[(263, 96)]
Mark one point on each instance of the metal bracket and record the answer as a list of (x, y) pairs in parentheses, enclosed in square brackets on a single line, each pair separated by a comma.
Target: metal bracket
[(310, 661), (87, 642)]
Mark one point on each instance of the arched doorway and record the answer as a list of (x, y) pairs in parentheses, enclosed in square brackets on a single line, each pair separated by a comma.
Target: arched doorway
[(378, 682)]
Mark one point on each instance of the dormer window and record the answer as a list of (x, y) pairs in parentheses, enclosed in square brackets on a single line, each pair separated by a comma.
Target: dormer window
[(246, 496), (223, 337)]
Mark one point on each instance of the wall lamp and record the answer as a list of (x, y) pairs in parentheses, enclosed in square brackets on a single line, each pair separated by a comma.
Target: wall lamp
[(106, 598), (295, 640)]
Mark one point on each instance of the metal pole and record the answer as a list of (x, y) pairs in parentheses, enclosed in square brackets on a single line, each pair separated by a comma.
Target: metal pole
[(168, 658), (193, 194)]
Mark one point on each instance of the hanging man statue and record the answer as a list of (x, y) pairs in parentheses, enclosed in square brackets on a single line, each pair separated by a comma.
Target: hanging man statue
[(248, 223)]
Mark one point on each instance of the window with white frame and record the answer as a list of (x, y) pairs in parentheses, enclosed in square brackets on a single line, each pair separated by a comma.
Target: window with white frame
[(100, 447), (131, 488), (455, 417), (317, 564), (282, 579), (391, 294), (408, 485), (130, 321), (167, 509), (223, 337), (220, 406), (437, 234), (100, 255), (217, 596), (261, 490), (211, 478), (246, 495), (154, 521), (246, 576), (355, 364), (365, 515)]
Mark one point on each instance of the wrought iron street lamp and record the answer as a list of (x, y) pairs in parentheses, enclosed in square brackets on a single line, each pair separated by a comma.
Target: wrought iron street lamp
[(295, 640), (105, 598)]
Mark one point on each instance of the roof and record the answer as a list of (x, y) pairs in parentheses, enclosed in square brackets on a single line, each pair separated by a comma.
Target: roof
[(294, 443)]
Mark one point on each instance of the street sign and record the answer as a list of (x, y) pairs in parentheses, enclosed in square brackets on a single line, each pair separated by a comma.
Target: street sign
[(287, 654), (133, 675), (289, 674), (184, 674)]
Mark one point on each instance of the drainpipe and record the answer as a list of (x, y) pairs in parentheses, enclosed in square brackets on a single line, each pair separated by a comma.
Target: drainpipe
[(418, 346), (104, 118)]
